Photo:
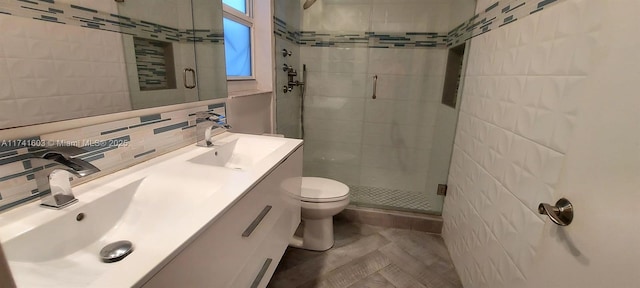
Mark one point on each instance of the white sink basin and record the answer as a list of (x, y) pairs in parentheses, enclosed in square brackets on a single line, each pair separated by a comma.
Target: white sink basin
[(138, 211), (239, 153)]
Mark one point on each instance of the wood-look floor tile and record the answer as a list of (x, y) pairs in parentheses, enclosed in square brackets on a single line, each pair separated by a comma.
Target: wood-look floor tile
[(399, 278), (419, 244), (370, 256), (375, 280), (351, 272), (447, 271), (414, 267), (328, 261), (346, 233), (293, 257)]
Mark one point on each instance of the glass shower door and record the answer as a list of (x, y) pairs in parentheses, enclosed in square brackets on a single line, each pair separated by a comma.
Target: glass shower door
[(393, 149)]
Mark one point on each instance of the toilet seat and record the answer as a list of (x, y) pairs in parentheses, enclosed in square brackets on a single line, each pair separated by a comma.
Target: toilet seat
[(322, 190)]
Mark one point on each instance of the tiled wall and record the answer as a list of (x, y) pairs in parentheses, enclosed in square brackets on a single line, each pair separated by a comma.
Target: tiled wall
[(521, 100), (73, 72), (109, 146), (287, 27), (496, 15)]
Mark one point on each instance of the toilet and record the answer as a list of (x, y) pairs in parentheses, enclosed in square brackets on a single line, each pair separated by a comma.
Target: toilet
[(321, 199)]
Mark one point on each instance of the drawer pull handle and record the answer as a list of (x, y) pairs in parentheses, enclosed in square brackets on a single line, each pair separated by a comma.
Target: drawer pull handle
[(247, 232), (263, 271)]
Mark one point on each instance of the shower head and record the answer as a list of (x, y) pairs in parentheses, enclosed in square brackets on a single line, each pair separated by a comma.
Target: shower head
[(308, 4)]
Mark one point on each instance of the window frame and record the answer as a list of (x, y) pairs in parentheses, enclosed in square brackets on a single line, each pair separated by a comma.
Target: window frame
[(247, 20)]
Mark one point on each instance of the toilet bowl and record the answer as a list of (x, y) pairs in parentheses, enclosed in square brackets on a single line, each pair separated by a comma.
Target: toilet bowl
[(321, 199)]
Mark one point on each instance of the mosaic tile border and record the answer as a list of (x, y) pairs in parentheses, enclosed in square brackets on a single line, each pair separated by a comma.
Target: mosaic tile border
[(151, 64), (70, 14), (374, 39), (359, 39), (110, 147), (284, 31), (498, 14)]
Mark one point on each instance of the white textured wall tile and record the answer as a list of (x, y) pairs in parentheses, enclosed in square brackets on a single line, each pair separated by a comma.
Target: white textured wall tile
[(521, 98), (49, 61)]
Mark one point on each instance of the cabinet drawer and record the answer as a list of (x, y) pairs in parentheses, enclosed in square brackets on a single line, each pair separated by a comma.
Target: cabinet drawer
[(260, 266), (221, 251)]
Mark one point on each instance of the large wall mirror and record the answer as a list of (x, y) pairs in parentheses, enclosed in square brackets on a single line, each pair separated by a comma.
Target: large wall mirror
[(70, 59)]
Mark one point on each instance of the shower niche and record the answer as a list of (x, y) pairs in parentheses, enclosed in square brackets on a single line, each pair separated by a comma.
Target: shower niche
[(453, 75), (155, 64)]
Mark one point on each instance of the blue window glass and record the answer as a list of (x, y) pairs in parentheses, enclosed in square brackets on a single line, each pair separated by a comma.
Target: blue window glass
[(237, 48), (240, 5)]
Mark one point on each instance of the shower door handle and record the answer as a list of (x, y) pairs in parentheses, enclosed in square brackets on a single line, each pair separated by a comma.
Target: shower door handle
[(193, 75), (375, 87), (561, 214)]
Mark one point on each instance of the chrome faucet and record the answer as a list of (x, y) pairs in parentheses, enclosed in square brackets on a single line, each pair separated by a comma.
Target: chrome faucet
[(56, 177), (205, 122)]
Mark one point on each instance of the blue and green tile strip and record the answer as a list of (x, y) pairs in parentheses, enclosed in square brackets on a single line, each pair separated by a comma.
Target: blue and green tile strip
[(70, 14), (110, 149), (498, 14)]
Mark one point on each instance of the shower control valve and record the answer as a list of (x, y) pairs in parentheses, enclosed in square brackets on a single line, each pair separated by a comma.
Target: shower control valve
[(287, 89), (286, 68), (286, 53)]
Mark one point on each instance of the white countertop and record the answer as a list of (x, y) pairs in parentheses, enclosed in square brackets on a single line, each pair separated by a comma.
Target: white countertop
[(151, 255)]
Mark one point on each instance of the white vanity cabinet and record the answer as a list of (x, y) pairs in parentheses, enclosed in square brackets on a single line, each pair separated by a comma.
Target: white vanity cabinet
[(244, 245)]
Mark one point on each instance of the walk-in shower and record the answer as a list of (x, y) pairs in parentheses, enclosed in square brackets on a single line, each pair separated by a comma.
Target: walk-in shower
[(373, 117)]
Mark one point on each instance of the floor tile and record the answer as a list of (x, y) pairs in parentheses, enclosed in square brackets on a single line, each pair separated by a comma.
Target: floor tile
[(373, 281), (370, 256), (351, 272)]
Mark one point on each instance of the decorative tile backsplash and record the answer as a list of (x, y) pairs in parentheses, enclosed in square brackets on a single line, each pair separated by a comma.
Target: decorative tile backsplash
[(70, 14), (374, 39), (498, 14), (284, 31), (154, 64), (359, 39), (110, 147)]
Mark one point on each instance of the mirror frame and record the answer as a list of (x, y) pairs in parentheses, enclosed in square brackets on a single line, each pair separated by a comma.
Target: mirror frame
[(52, 127)]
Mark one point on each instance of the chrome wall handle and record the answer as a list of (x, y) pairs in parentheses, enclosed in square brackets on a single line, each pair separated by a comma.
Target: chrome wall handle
[(263, 271), (375, 87), (247, 232), (561, 214), (193, 75)]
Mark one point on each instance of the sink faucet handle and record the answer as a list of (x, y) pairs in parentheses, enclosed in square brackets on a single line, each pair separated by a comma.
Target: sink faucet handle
[(51, 152), (76, 166)]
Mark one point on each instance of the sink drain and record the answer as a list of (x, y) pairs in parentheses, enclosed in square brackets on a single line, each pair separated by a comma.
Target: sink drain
[(116, 251)]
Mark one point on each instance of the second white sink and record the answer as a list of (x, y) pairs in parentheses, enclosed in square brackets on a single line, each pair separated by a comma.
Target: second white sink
[(239, 153)]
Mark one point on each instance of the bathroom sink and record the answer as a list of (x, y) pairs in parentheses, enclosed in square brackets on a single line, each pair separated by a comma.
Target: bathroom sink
[(159, 205), (138, 210), (239, 152)]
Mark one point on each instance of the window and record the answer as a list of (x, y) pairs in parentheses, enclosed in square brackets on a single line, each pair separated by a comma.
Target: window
[(238, 38)]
